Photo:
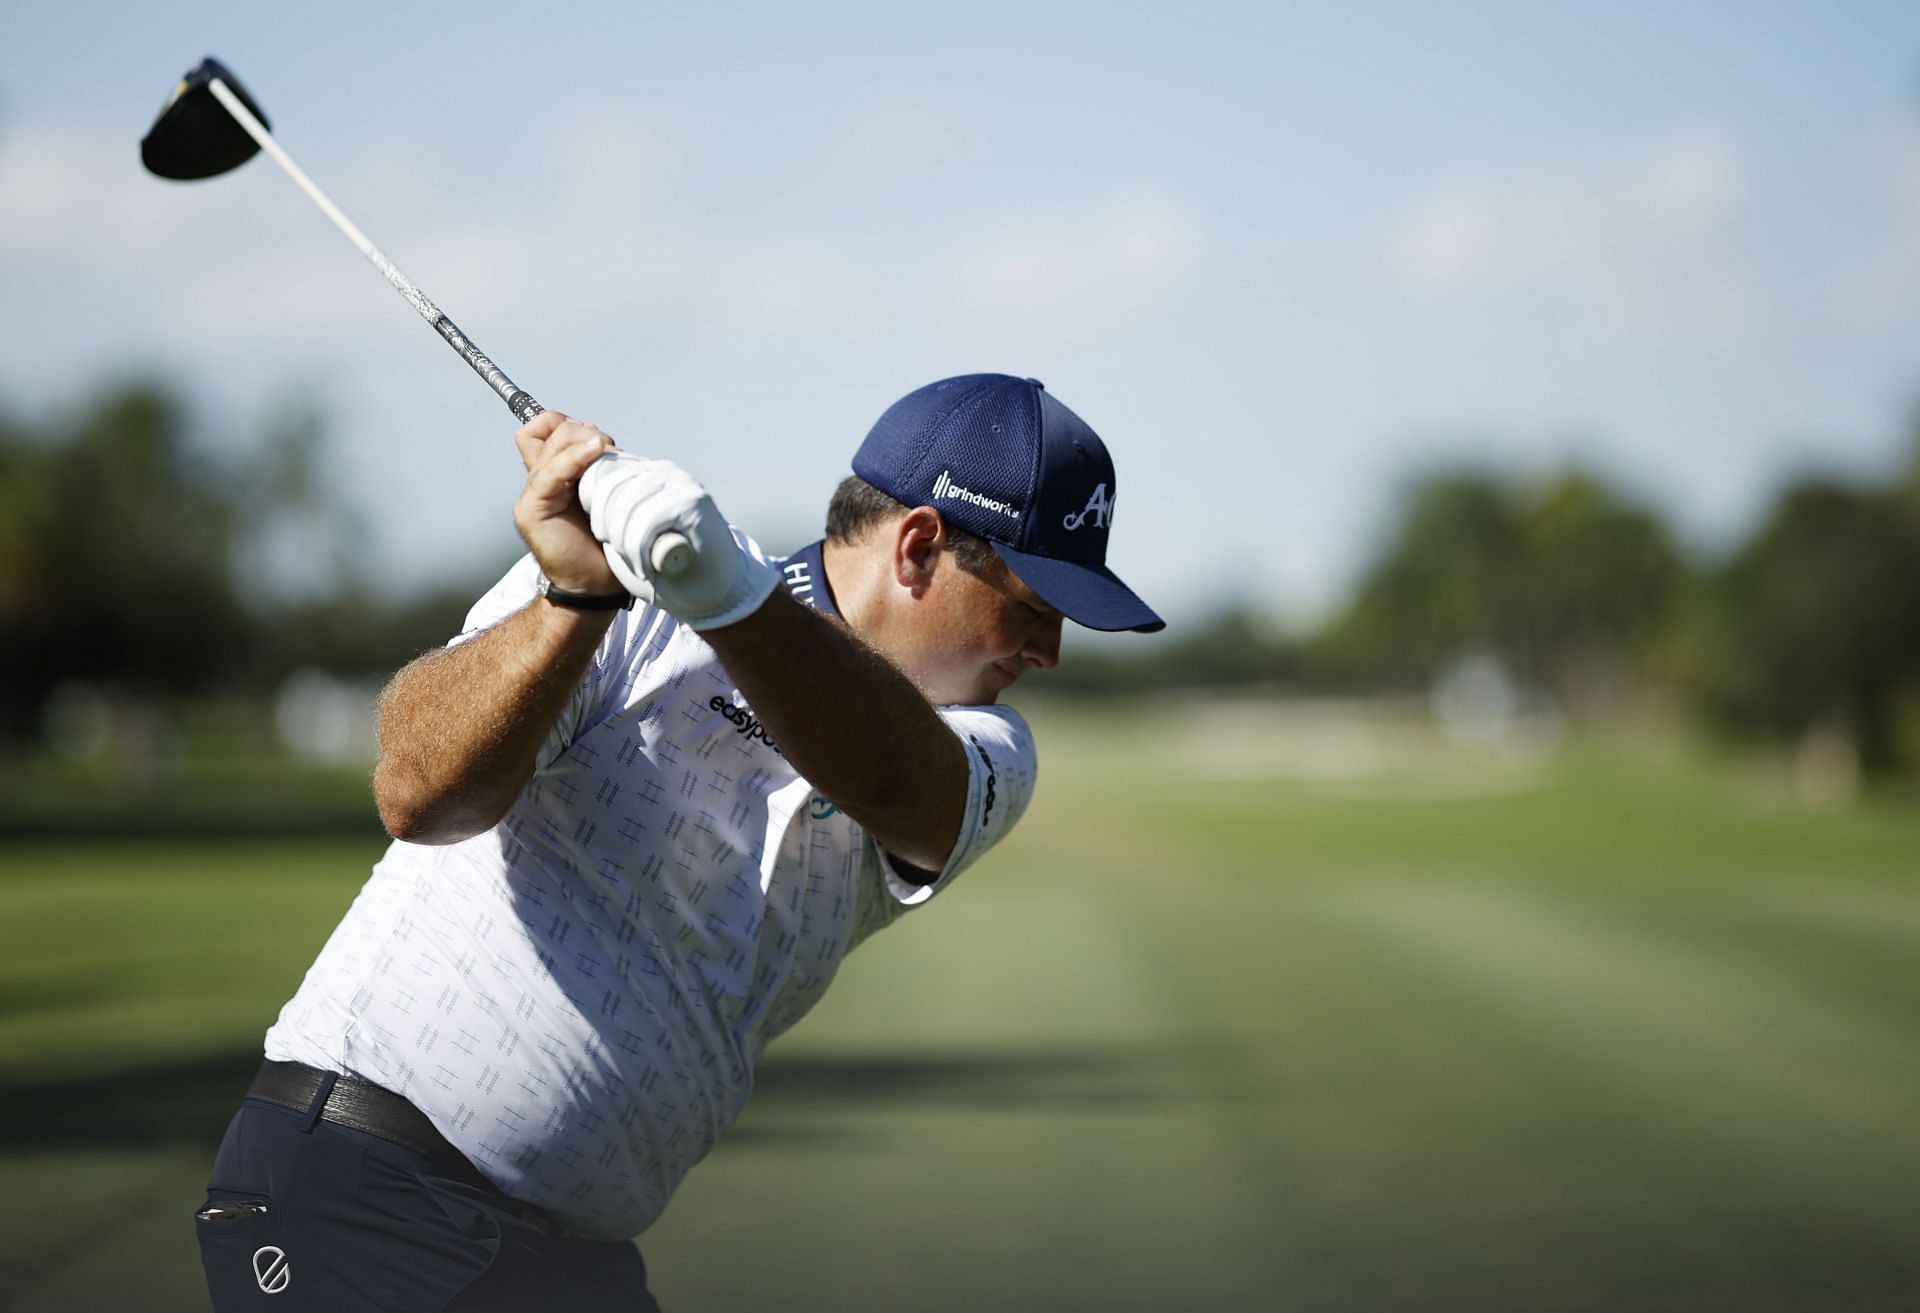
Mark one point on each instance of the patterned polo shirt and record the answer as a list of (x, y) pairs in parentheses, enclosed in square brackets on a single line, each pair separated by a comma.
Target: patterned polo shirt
[(577, 997)]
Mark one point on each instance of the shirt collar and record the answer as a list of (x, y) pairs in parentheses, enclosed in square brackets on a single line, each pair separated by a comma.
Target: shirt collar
[(805, 575)]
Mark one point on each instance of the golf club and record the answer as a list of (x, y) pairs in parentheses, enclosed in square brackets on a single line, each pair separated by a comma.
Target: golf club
[(210, 125)]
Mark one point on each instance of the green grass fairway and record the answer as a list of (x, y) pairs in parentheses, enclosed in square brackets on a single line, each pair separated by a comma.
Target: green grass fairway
[(1273, 1014)]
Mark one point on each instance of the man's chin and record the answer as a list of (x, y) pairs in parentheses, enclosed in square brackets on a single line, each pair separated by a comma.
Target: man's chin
[(984, 693)]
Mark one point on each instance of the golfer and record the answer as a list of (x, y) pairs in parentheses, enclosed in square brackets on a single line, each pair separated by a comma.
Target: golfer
[(643, 806)]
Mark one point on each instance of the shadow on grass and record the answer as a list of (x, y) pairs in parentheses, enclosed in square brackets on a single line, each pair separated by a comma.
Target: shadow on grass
[(25, 996), (1051, 1077), (184, 1103), (190, 1102)]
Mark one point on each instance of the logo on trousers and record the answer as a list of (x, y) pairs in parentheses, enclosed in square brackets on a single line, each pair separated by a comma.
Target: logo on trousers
[(271, 1269)]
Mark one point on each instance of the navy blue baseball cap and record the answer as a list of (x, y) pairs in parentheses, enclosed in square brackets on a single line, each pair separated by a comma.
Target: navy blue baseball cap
[(998, 457)]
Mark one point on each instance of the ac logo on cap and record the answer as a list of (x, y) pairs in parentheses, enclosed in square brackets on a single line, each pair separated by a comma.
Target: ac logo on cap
[(1100, 506)]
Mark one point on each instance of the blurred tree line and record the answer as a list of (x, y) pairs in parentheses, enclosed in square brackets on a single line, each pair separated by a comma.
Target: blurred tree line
[(125, 553), (1588, 603), (128, 563)]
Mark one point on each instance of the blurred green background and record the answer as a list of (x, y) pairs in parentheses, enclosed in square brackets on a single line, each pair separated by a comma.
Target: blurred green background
[(1624, 1027), (1537, 931)]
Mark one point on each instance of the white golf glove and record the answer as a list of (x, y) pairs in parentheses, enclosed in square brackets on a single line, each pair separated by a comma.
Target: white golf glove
[(708, 583)]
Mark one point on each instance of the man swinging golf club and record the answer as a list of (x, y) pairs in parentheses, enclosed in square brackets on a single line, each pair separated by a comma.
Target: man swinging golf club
[(633, 844), (643, 806)]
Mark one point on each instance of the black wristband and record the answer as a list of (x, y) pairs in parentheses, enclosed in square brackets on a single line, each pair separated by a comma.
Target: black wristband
[(621, 601)]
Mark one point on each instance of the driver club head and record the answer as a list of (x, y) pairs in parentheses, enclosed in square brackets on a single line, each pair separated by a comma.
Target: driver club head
[(194, 136)]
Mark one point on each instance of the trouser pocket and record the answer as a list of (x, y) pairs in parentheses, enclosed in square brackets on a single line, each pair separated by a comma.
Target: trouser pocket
[(236, 1214), (246, 1268)]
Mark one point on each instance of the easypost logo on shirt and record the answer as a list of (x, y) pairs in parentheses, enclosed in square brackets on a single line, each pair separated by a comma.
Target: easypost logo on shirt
[(944, 486), (742, 720)]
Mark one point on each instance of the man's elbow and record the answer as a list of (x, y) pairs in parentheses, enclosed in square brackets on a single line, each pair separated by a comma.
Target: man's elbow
[(412, 814), (916, 838), (411, 826)]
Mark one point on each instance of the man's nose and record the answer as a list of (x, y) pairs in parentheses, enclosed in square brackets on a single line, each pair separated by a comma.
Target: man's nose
[(1043, 644)]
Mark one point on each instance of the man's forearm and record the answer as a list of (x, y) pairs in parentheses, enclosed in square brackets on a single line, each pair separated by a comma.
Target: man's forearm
[(460, 727), (851, 723)]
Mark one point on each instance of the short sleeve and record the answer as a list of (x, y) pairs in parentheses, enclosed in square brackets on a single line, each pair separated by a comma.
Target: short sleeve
[(1001, 768), (517, 587)]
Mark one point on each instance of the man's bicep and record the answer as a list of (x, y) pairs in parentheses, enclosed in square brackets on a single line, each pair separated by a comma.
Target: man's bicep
[(518, 589)]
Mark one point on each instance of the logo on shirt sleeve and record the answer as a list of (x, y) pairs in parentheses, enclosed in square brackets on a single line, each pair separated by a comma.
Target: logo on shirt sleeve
[(986, 813)]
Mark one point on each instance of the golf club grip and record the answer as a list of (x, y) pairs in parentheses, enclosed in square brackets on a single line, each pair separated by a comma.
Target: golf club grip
[(518, 400)]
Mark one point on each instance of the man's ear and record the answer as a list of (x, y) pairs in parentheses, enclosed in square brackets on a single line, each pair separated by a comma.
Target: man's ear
[(917, 541)]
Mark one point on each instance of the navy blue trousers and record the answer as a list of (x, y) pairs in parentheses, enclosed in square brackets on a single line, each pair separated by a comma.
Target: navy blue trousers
[(306, 1215)]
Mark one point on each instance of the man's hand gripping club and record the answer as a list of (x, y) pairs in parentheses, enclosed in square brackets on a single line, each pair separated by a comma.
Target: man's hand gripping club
[(660, 534)]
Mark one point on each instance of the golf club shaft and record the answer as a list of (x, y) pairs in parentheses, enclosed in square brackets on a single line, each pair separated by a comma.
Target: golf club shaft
[(523, 406), (670, 551)]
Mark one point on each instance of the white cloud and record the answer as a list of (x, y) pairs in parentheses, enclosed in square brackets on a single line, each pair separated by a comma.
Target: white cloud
[(1644, 247), (243, 261), (1884, 284), (606, 224), (1085, 267), (887, 136), (1904, 271), (230, 260), (783, 283), (73, 200), (237, 261)]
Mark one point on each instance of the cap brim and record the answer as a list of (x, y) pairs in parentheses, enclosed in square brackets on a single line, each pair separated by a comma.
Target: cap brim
[(1089, 595)]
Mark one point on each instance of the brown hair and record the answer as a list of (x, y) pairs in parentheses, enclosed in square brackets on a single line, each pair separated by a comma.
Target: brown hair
[(858, 507)]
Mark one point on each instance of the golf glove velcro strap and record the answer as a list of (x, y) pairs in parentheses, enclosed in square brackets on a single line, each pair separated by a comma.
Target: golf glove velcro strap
[(631, 500)]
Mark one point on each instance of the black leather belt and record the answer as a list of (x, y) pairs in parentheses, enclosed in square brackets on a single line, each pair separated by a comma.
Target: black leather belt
[(362, 1106)]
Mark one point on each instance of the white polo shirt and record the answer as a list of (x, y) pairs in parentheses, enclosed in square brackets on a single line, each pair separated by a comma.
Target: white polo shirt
[(578, 996)]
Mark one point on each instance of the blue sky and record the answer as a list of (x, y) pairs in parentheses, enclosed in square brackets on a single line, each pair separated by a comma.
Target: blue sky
[(1278, 256)]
